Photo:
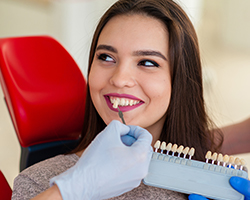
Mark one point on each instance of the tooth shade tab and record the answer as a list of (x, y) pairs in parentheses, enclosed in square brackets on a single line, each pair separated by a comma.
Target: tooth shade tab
[(174, 149), (168, 148), (208, 156), (157, 145), (191, 152), (163, 146), (236, 162), (180, 150), (219, 159), (225, 160), (185, 152), (242, 163), (231, 159)]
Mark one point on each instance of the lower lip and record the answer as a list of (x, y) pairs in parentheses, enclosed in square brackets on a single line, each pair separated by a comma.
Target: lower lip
[(122, 108)]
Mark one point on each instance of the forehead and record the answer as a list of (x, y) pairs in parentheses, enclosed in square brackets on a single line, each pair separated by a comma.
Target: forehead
[(137, 31)]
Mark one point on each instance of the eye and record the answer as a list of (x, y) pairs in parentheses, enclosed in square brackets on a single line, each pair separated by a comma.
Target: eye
[(148, 63), (105, 57)]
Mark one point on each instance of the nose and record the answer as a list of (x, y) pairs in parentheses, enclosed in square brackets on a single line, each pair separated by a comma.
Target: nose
[(123, 76)]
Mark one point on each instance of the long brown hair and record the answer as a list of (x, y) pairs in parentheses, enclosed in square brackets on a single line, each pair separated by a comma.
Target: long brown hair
[(187, 122)]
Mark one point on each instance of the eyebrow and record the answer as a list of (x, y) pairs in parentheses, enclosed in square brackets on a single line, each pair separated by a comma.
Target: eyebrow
[(107, 47), (136, 53), (149, 53)]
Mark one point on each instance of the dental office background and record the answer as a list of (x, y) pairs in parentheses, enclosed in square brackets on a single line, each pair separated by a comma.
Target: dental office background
[(223, 28)]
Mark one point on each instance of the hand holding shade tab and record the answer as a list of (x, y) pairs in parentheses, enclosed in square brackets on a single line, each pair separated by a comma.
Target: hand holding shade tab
[(97, 176)]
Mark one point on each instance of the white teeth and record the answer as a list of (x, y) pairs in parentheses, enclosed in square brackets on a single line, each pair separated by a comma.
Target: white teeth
[(122, 102), (115, 105)]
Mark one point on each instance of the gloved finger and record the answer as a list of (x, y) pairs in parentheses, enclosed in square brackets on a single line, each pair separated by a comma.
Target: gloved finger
[(142, 136), (241, 185), (115, 127), (128, 140), (137, 131), (196, 197)]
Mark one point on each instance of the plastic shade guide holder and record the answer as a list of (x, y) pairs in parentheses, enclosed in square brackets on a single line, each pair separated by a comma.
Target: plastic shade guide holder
[(189, 176)]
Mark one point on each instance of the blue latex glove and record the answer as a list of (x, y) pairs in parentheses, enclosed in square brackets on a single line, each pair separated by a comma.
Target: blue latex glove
[(240, 184), (196, 197), (108, 167)]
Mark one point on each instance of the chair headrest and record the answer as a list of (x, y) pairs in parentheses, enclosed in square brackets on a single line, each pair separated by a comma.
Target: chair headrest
[(44, 89)]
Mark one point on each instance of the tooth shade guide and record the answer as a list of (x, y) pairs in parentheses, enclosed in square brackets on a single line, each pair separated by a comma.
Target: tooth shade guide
[(225, 160), (168, 148), (185, 152), (208, 156), (163, 147), (214, 157), (242, 163), (237, 162), (231, 161), (157, 145), (180, 150), (219, 159), (191, 153), (174, 149)]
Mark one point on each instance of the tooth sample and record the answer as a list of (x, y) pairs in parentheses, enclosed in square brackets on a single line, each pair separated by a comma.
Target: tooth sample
[(157, 145), (185, 152), (168, 148), (242, 163), (174, 149), (179, 150), (191, 153), (219, 159), (208, 156), (163, 146), (214, 158), (225, 160), (231, 161), (237, 162)]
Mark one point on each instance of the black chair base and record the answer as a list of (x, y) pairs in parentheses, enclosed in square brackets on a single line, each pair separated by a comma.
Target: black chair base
[(36, 153)]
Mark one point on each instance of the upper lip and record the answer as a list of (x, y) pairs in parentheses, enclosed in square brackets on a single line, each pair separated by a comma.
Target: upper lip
[(128, 96)]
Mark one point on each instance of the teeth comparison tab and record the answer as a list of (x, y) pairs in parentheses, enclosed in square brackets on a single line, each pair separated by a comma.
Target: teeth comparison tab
[(214, 158), (174, 149)]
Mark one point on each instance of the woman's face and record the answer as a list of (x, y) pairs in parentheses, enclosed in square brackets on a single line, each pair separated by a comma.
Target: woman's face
[(131, 66)]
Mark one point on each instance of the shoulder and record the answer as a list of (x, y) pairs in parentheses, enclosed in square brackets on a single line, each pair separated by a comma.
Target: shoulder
[(35, 179)]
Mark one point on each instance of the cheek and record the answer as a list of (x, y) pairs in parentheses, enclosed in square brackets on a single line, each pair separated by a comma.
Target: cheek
[(95, 79), (159, 92)]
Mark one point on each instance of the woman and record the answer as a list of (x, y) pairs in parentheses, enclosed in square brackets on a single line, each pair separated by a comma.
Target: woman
[(145, 59)]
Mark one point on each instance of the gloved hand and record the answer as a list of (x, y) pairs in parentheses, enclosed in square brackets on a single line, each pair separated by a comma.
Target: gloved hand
[(240, 184), (108, 167), (196, 197)]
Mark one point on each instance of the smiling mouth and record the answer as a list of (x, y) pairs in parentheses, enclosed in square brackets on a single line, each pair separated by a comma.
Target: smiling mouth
[(116, 101)]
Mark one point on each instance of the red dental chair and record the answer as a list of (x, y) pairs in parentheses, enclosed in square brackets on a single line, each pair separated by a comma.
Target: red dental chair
[(44, 91), (5, 190)]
